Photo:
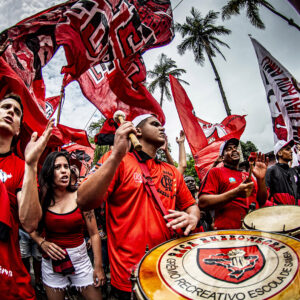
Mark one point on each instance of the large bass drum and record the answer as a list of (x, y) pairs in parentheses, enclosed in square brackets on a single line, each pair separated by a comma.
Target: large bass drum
[(283, 219), (221, 265)]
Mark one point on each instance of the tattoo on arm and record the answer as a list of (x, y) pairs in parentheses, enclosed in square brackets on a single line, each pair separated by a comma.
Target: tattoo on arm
[(89, 215)]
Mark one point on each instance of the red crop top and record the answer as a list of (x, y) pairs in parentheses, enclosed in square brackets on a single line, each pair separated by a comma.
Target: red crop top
[(65, 230)]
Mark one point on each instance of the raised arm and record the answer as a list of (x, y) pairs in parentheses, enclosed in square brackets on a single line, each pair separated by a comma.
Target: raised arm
[(29, 208), (167, 152), (182, 154), (259, 172), (91, 192)]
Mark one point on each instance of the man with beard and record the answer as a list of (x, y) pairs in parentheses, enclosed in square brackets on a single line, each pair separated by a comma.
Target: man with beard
[(230, 191), (20, 180), (282, 180), (134, 219)]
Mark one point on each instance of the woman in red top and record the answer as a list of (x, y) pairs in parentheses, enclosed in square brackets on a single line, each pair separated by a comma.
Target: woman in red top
[(66, 261)]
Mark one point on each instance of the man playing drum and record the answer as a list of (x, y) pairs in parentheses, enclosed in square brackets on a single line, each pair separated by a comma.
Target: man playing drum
[(282, 180), (134, 218), (230, 191)]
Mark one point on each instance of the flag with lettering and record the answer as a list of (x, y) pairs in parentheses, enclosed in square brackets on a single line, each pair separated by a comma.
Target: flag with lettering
[(282, 96), (105, 53), (93, 32)]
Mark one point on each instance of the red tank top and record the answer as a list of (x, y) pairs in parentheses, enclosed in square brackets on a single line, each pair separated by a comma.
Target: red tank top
[(65, 230)]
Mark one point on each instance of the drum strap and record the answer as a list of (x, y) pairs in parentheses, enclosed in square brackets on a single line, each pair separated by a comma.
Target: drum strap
[(152, 192)]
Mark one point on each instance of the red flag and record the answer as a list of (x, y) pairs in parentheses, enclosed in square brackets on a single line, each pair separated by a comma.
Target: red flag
[(131, 27), (31, 45), (214, 132), (11, 82), (205, 148), (93, 32), (194, 134), (106, 134), (101, 86), (83, 155), (33, 118), (51, 106), (78, 136)]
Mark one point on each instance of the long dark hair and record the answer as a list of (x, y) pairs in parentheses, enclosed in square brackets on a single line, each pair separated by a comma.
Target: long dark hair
[(46, 180)]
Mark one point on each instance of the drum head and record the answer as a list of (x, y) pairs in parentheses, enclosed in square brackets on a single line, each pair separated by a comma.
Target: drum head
[(281, 219), (222, 265)]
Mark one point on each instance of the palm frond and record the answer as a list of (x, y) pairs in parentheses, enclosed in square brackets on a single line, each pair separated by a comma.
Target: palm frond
[(253, 15), (232, 8)]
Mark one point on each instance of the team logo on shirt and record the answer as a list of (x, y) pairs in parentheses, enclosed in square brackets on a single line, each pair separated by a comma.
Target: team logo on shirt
[(137, 177), (166, 182), (4, 176), (232, 180)]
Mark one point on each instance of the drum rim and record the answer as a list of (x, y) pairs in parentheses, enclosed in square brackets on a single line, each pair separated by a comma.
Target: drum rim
[(140, 263), (222, 230), (286, 232)]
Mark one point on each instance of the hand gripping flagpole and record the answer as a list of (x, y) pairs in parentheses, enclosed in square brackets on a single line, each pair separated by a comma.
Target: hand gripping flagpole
[(119, 117)]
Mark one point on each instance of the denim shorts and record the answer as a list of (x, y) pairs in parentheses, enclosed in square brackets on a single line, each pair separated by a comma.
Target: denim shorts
[(83, 276), (28, 246)]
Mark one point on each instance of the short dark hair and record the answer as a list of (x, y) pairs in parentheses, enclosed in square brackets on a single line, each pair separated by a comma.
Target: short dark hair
[(16, 98)]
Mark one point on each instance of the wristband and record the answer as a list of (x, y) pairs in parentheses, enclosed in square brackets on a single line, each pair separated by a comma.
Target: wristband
[(42, 243)]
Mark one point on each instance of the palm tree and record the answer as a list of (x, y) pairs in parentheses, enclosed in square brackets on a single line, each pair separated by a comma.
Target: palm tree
[(252, 6), (161, 72), (200, 36)]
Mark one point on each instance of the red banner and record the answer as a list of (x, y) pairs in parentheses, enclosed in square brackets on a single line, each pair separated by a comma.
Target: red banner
[(78, 136), (83, 155), (205, 148), (93, 32), (31, 44), (194, 134)]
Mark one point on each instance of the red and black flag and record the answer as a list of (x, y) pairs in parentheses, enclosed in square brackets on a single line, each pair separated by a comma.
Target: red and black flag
[(205, 139)]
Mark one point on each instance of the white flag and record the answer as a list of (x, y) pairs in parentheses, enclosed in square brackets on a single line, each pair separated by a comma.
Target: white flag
[(282, 97)]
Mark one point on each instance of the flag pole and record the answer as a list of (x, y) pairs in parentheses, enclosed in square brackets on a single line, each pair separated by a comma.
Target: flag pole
[(62, 96), (90, 118)]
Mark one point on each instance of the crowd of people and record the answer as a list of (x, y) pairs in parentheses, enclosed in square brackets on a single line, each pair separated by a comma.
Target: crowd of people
[(145, 202)]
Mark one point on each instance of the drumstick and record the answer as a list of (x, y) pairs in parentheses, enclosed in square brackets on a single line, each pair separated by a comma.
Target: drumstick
[(119, 117)]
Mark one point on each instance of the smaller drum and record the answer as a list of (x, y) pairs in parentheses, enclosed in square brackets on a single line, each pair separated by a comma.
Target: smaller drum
[(284, 219)]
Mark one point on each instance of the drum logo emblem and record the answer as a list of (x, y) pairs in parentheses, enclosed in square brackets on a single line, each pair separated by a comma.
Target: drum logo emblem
[(234, 265)]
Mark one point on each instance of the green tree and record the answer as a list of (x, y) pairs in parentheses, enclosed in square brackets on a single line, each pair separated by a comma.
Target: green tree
[(247, 148), (160, 73), (233, 7), (200, 35)]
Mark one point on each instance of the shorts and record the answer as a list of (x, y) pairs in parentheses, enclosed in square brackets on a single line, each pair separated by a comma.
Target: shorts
[(83, 276), (28, 246)]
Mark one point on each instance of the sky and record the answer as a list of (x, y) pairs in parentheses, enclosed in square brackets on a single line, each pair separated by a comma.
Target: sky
[(239, 73)]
